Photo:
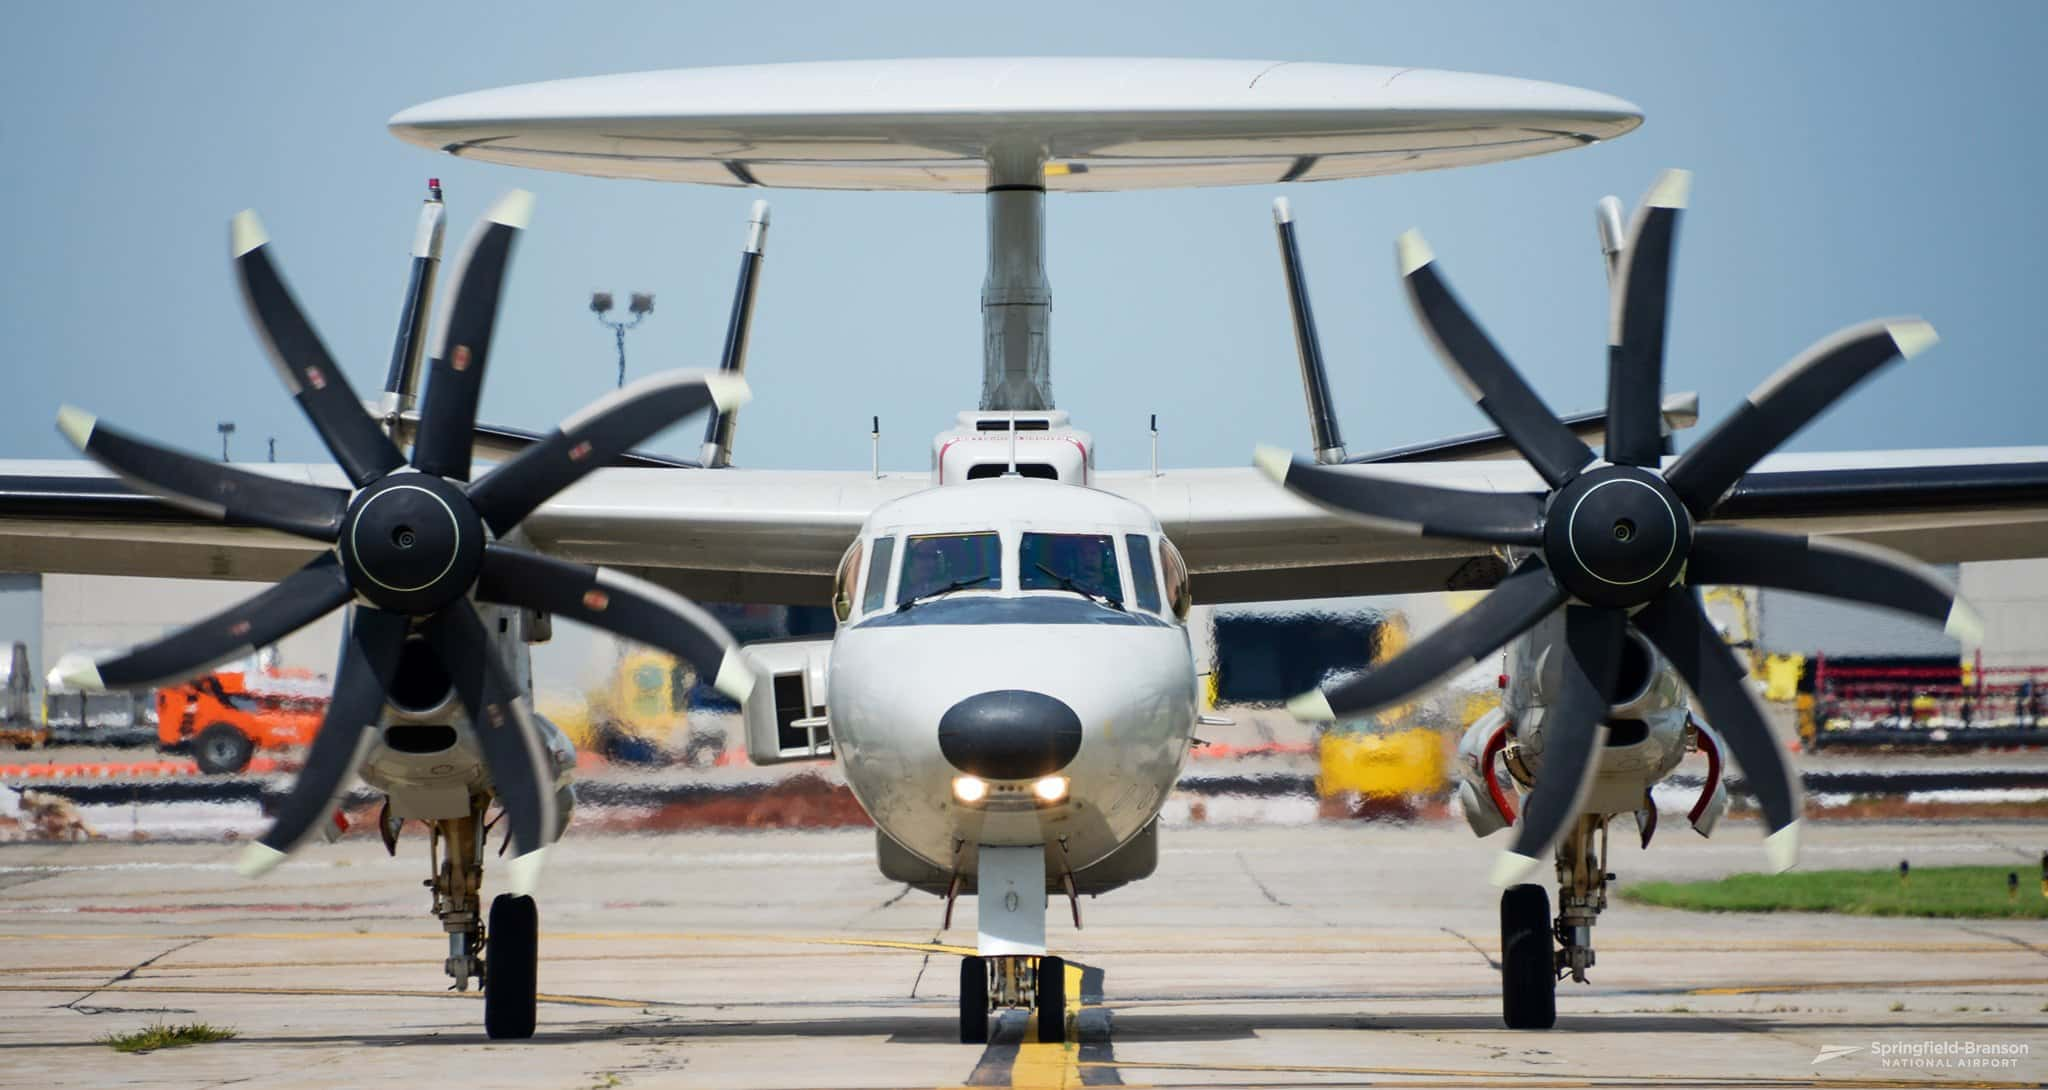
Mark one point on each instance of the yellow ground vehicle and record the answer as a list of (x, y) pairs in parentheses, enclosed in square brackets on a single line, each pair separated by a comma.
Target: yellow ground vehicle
[(638, 714), (1390, 755)]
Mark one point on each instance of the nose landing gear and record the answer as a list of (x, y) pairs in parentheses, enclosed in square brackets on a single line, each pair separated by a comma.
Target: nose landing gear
[(1038, 984), (1534, 951)]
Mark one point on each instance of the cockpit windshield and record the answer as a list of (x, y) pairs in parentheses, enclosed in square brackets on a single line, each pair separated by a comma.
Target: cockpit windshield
[(936, 564), (1083, 563)]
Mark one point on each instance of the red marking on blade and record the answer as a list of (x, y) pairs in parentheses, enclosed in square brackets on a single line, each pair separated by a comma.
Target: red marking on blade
[(459, 359), (580, 451), (495, 713), (239, 628), (316, 378), (596, 600)]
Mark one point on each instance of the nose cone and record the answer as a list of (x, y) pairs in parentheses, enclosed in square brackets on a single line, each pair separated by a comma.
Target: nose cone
[(1009, 734)]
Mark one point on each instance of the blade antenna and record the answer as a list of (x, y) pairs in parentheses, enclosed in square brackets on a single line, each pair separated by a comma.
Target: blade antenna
[(1315, 378), (733, 359), (402, 381)]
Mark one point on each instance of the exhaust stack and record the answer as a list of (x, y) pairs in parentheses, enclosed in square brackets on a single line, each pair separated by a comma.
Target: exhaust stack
[(718, 433), (402, 381), (1315, 380)]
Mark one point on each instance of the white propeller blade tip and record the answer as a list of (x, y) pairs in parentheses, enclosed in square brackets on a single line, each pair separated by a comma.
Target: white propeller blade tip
[(1782, 848), (1411, 252), (734, 678), (77, 672), (1510, 868), (1913, 337), (728, 391), (514, 210), (1671, 189), (523, 873), (1311, 707), (245, 233), (1282, 211), (1964, 624), (1273, 462), (258, 860), (76, 424)]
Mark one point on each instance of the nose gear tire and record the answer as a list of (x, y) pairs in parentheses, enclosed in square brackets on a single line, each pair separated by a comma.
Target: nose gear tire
[(1528, 968)]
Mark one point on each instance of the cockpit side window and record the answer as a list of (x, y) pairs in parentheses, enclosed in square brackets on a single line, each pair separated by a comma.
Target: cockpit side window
[(1177, 594), (1144, 578), (842, 582), (877, 590), (940, 563), (1077, 562)]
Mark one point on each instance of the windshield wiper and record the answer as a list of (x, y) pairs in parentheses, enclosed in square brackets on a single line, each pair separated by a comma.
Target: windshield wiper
[(1067, 583), (957, 584)]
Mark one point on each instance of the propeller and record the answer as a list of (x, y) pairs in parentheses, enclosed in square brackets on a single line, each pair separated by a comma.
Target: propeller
[(1621, 541), (413, 547)]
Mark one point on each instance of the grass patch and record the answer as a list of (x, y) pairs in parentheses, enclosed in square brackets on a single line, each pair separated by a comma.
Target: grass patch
[(1951, 892), (165, 1035)]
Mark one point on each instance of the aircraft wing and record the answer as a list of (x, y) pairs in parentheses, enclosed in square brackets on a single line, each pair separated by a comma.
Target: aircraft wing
[(776, 535), (1246, 540)]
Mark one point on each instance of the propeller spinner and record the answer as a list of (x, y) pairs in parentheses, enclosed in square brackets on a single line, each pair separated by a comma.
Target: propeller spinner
[(414, 544), (1621, 541)]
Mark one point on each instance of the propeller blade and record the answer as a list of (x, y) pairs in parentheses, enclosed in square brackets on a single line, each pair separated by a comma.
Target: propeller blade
[(211, 488), (1521, 600), (1486, 375), (456, 376), (1574, 730), (522, 773), (594, 436), (301, 598), (1834, 567), (1680, 629), (1635, 336), (369, 658), (1501, 518), (619, 604), (362, 449), (1786, 402)]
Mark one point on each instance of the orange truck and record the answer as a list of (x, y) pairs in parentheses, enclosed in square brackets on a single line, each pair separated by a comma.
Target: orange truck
[(224, 717)]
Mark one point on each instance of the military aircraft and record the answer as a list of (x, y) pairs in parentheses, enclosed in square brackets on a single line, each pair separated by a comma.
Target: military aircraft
[(1010, 691)]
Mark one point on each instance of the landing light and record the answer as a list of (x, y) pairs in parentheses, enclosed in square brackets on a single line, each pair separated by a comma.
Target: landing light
[(1051, 788), (969, 789)]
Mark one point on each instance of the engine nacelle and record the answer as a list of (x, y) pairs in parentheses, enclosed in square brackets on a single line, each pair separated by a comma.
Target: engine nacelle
[(1646, 729)]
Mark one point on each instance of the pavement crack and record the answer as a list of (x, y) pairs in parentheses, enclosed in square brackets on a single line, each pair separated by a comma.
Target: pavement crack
[(1476, 948), (1245, 865), (2023, 944), (129, 974)]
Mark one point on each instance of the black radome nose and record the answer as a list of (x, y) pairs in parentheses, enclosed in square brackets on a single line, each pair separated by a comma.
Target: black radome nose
[(1010, 734)]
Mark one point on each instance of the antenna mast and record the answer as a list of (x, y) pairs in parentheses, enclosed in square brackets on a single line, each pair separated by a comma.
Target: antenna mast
[(1016, 299)]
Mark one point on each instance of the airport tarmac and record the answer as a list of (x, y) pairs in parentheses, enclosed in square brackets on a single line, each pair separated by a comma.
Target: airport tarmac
[(1331, 954)]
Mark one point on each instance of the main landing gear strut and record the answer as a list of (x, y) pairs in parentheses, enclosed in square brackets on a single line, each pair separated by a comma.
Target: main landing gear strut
[(1534, 951), (504, 956)]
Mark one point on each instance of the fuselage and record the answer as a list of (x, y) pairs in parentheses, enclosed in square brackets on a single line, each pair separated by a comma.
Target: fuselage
[(1013, 668)]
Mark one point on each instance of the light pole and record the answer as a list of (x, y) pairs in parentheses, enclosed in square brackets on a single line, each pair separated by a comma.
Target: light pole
[(225, 428), (641, 306)]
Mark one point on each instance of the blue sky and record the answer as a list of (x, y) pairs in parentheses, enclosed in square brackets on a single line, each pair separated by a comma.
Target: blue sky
[(1852, 161)]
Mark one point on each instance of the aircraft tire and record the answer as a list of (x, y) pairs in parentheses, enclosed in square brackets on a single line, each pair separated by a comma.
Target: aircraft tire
[(511, 957), (1528, 968), (1052, 1000), (973, 1001)]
